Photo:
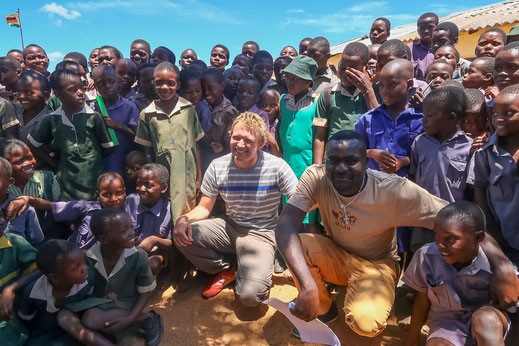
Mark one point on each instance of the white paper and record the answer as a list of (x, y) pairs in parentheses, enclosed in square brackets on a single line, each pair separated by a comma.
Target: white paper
[(314, 331)]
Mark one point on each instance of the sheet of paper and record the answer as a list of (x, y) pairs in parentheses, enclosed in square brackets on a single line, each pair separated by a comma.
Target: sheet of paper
[(314, 331)]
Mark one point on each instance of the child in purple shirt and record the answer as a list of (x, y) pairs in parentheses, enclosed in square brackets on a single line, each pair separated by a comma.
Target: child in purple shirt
[(123, 116), (247, 95), (421, 50)]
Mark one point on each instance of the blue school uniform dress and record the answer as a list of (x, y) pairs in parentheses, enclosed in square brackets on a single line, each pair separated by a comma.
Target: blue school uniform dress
[(26, 225), (146, 221), (38, 310)]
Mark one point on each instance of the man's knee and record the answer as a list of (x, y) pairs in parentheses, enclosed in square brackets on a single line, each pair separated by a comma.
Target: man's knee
[(251, 293), (365, 319)]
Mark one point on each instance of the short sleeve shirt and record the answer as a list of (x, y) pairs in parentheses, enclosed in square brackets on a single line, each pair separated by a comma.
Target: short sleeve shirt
[(148, 221), (26, 225), (8, 116), (79, 213), (25, 129), (326, 80), (16, 256), (386, 202), (251, 195), (421, 58)]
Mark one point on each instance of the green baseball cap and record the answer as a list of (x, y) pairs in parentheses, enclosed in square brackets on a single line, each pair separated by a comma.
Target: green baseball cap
[(514, 31), (303, 67)]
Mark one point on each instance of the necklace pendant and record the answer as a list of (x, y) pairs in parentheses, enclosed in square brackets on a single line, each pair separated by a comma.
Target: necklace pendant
[(347, 220)]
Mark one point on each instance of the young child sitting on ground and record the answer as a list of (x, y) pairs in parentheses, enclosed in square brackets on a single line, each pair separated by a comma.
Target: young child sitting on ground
[(186, 58), (132, 165), (146, 92), (169, 131), (452, 279), (219, 57), (140, 52), (475, 123), (121, 274), (36, 59), (244, 63), (437, 73), (123, 115), (80, 134), (231, 77), (65, 282), (269, 101)]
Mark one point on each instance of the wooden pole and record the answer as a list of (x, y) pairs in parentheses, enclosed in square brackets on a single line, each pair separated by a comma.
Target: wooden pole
[(21, 33)]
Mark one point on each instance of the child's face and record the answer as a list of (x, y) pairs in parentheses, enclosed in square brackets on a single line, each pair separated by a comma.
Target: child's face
[(187, 57), (303, 47), (125, 71), (146, 81), (455, 244), (489, 44), (383, 58), (270, 105), (263, 70), (289, 51), (438, 74), (149, 187), (166, 84), (72, 93), (506, 68), (249, 50), (107, 57), (474, 78), (8, 74), (73, 269), (231, 78), (279, 66), (426, 28), (243, 63), (393, 88), (159, 55), (23, 162), (192, 91), (346, 62), (319, 55), (92, 59), (436, 120), (218, 58), (106, 84), (247, 94), (18, 56), (296, 85), (131, 170), (36, 59), (475, 122), (121, 234), (212, 90), (448, 54), (378, 32), (111, 193), (440, 38), (506, 115), (139, 53)]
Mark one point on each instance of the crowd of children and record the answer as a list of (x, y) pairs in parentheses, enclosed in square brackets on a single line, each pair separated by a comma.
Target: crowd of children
[(99, 158)]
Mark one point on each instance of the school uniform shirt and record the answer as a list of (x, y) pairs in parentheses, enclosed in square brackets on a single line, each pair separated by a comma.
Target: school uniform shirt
[(454, 295), (131, 94), (262, 114), (79, 213), (79, 139), (141, 101), (493, 168), (204, 115), (130, 277), (26, 225), (17, 257), (38, 309), (25, 129), (223, 116), (173, 138), (396, 137), (54, 102), (42, 184), (325, 80), (345, 109), (441, 168), (124, 112), (147, 221), (272, 83), (8, 117), (367, 227), (421, 58)]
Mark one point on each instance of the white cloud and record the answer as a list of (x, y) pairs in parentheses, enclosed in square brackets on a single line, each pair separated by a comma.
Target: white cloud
[(55, 56), (59, 10), (59, 22), (369, 6), (296, 10)]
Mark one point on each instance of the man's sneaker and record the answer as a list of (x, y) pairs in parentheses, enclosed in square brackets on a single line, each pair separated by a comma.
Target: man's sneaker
[(326, 318), (219, 282), (152, 328)]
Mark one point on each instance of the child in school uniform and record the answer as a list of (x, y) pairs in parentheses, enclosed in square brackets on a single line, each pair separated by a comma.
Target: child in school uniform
[(162, 54), (437, 73), (78, 132), (8, 120), (126, 72), (18, 55), (490, 43), (191, 90), (450, 54), (10, 71), (338, 107), (169, 131), (247, 96), (146, 92), (280, 83), (231, 78), (452, 279), (262, 68), (140, 52), (65, 282), (132, 165), (123, 116), (319, 50), (243, 63), (36, 59), (421, 50), (493, 173), (219, 57), (108, 55), (447, 33), (506, 67), (269, 101), (475, 124), (186, 58), (480, 74), (122, 273)]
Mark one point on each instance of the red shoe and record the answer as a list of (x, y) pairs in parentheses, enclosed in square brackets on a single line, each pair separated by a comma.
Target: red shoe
[(216, 286)]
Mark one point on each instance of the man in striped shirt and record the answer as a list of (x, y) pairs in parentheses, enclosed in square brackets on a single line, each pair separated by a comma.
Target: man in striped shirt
[(242, 244)]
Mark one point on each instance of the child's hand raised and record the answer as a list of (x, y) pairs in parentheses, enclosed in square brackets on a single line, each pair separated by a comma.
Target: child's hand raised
[(359, 79), (217, 147), (417, 99)]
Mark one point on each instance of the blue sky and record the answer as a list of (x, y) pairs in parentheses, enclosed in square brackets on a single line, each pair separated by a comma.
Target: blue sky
[(64, 26)]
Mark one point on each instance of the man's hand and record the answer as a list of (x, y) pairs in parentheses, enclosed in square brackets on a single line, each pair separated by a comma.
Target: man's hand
[(504, 287), (306, 305), (182, 233), (16, 207), (6, 304)]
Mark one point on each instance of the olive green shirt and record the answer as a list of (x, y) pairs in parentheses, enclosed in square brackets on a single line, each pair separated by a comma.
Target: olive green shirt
[(7, 116)]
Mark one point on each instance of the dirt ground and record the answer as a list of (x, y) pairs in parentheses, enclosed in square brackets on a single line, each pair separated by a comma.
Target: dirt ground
[(191, 320)]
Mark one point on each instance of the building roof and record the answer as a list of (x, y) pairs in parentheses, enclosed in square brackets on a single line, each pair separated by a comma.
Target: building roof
[(505, 12)]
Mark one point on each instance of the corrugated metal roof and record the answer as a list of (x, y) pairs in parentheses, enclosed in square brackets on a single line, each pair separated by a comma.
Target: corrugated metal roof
[(500, 13)]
